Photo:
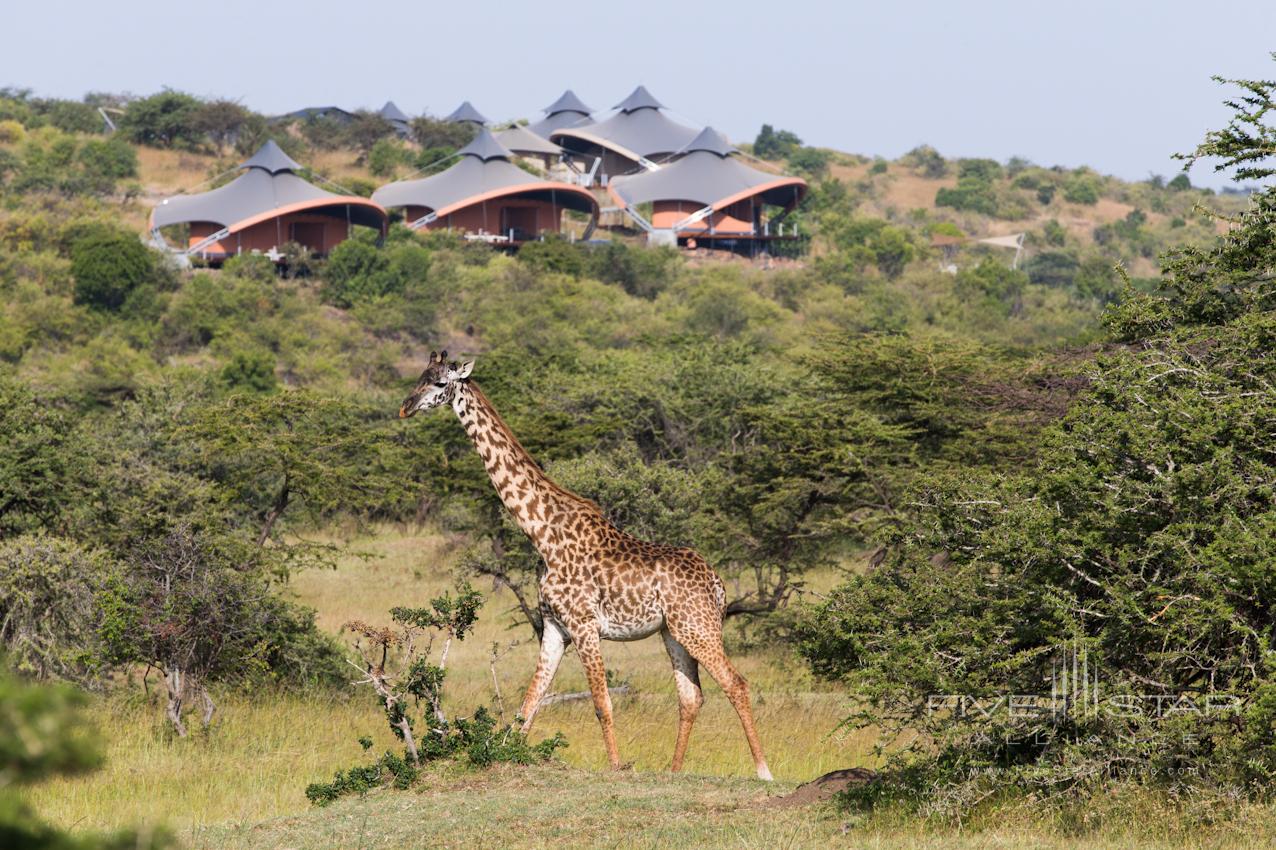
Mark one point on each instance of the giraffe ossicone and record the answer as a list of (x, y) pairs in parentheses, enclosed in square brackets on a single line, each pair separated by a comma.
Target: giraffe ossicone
[(599, 583)]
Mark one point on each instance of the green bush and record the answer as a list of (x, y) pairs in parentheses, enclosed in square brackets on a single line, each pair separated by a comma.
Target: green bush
[(992, 280), (926, 161), (108, 267), (252, 370), (386, 156), (1081, 188), (50, 619), (553, 254), (642, 272), (165, 120), (812, 162), (975, 190), (775, 145), (358, 271), (44, 734), (1054, 233)]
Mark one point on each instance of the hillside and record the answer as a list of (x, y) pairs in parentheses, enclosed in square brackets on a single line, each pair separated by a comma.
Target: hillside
[(921, 465)]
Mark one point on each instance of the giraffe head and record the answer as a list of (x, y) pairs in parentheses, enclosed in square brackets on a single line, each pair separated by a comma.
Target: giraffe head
[(437, 384)]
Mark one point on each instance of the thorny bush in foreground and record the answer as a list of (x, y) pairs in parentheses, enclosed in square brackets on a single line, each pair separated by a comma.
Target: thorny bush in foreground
[(396, 663)]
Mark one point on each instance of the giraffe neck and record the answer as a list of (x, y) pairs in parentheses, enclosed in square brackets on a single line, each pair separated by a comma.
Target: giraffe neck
[(526, 491)]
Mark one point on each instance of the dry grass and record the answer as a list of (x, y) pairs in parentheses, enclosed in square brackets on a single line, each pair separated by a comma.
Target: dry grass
[(262, 753), (241, 786)]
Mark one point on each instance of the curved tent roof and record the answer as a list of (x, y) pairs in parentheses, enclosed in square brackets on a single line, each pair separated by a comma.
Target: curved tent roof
[(267, 188), (639, 130), (483, 173), (523, 141), (567, 111), (707, 175), (466, 113)]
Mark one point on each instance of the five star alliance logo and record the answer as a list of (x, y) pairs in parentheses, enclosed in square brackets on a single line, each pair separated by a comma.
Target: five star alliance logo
[(1077, 694)]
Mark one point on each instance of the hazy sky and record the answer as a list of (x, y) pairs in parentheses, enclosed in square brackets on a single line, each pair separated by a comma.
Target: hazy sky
[(1116, 85)]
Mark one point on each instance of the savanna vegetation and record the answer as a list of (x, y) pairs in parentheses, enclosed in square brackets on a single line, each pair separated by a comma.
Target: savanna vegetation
[(920, 470)]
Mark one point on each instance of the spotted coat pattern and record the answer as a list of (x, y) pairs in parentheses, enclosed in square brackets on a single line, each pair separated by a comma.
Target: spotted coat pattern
[(599, 583)]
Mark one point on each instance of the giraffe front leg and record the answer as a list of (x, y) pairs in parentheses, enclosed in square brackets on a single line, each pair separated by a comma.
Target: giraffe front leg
[(553, 642), (590, 651)]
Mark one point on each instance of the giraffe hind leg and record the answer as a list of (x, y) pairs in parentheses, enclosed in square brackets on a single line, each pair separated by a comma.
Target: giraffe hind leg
[(686, 675), (704, 642), (553, 642)]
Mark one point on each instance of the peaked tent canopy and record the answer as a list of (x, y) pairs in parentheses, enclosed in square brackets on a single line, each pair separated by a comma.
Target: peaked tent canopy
[(466, 113), (639, 98), (521, 140), (567, 111), (485, 192), (640, 131), (393, 114), (707, 180), (270, 157), (269, 191)]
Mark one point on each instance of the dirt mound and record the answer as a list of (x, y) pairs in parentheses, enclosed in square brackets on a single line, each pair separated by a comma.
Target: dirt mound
[(823, 788)]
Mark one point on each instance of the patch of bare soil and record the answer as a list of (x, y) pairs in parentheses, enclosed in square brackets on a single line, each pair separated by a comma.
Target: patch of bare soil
[(822, 789)]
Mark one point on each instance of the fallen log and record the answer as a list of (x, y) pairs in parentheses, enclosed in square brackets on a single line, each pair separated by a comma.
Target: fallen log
[(573, 696)]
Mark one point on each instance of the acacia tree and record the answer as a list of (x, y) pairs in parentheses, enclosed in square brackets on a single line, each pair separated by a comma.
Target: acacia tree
[(1142, 537)]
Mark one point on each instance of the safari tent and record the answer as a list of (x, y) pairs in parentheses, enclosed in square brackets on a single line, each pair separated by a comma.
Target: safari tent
[(396, 118), (633, 139), (266, 206), (708, 193), (465, 114), (486, 196), (567, 111), (524, 142)]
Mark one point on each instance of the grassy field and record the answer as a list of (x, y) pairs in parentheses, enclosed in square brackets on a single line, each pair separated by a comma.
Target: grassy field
[(241, 785), (262, 751)]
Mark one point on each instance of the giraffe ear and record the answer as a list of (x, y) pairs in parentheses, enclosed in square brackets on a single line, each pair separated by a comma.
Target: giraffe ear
[(463, 373)]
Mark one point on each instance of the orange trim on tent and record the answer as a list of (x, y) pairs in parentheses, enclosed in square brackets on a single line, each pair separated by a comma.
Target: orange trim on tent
[(730, 199), (288, 208), (307, 205), (759, 189)]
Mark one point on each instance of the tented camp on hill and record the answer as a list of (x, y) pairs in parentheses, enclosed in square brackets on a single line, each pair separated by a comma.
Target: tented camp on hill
[(262, 209), (633, 139), (708, 194), (567, 111), (488, 197), (465, 114)]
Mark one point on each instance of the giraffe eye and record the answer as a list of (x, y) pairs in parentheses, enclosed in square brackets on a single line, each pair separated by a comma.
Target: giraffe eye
[(440, 383)]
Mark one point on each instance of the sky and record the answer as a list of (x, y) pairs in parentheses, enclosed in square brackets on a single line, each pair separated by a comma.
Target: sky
[(1116, 85)]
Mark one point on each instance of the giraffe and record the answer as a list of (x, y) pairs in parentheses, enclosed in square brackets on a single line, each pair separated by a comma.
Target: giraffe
[(599, 583)]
